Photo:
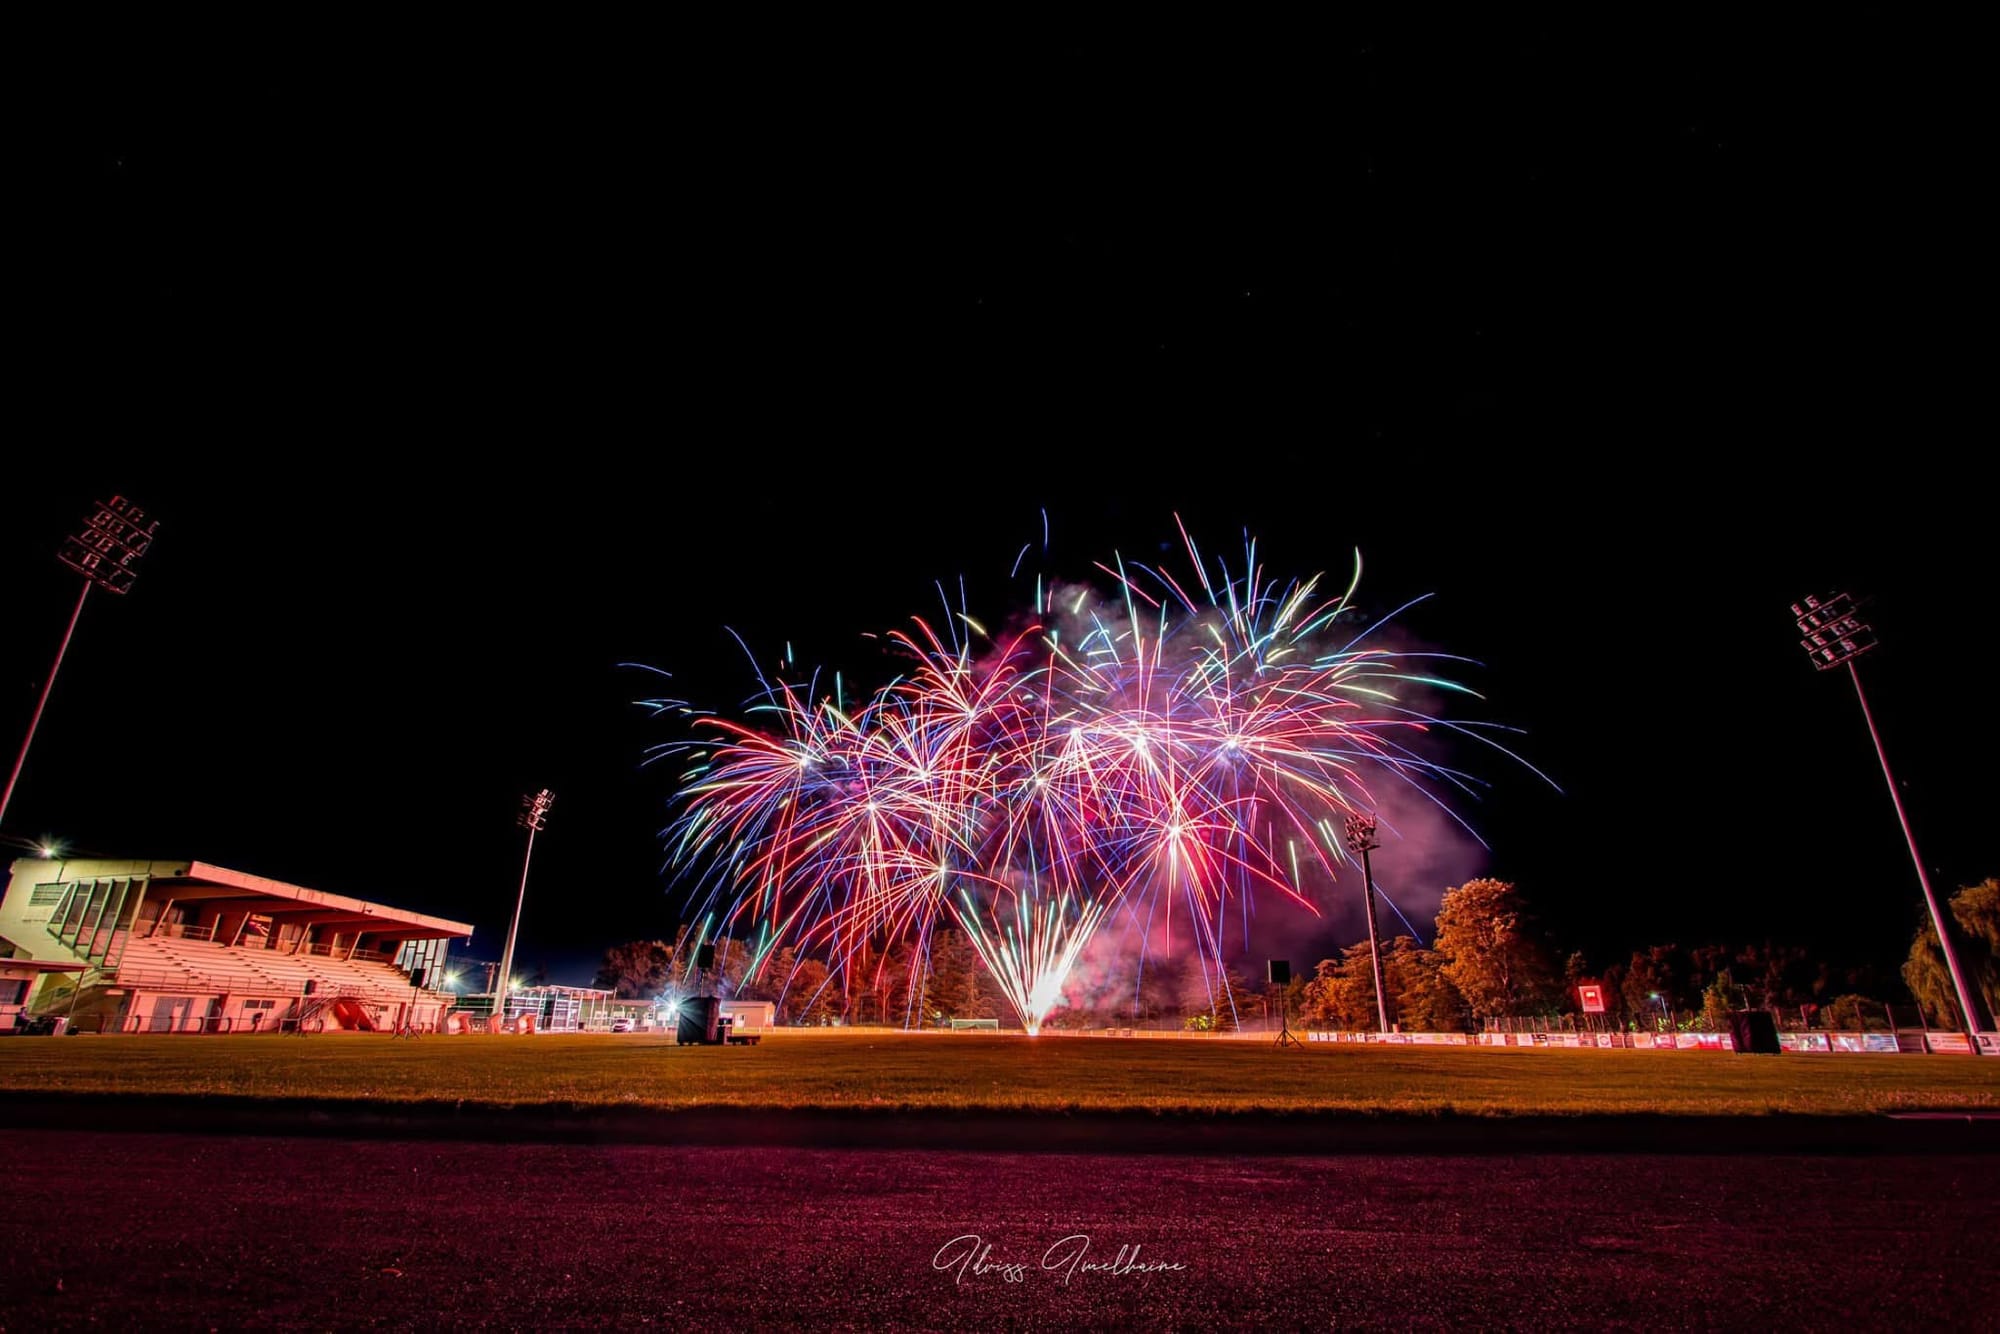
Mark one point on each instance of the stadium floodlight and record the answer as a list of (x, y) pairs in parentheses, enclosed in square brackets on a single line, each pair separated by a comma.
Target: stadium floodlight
[(534, 815), (1361, 841), (1833, 635), (106, 553), (48, 847)]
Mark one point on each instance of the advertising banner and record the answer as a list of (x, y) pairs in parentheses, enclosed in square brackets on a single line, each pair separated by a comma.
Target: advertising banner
[(1706, 1042)]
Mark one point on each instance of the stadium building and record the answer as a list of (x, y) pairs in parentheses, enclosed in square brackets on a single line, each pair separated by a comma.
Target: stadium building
[(186, 947)]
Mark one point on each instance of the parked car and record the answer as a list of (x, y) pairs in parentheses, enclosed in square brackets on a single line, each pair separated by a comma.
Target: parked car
[(621, 1025)]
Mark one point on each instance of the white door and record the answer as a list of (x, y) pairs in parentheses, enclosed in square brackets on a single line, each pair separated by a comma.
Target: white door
[(170, 1012)]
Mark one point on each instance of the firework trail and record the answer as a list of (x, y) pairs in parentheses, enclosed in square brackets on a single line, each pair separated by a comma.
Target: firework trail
[(1163, 753)]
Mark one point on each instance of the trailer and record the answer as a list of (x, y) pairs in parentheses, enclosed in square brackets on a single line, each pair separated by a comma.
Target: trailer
[(744, 1023)]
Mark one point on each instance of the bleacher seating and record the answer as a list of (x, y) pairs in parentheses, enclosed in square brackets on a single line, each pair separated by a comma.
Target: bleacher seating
[(207, 967)]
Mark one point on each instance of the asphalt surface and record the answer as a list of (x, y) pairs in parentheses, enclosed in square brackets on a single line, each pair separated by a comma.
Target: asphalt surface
[(170, 1231)]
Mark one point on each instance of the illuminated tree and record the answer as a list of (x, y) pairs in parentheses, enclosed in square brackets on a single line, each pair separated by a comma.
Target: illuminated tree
[(1341, 993), (807, 998), (1718, 1001), (1491, 952)]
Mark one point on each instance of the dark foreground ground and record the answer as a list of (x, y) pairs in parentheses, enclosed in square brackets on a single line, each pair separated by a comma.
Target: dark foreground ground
[(173, 1231)]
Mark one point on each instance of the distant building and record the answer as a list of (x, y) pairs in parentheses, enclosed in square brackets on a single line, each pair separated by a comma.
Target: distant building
[(554, 1009), (750, 1014), (186, 947)]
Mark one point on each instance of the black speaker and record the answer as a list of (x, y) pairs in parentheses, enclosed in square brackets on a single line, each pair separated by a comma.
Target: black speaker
[(700, 1021), (1281, 972), (1754, 1031), (704, 957), (417, 977), (309, 987)]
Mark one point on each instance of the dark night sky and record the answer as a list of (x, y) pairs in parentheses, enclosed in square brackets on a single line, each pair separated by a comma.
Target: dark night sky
[(459, 378)]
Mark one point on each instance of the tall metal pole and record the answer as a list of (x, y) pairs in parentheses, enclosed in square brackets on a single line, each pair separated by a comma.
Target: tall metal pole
[(106, 553), (1361, 839), (35, 720), (1971, 1024), (1374, 943), (534, 813), (1834, 634)]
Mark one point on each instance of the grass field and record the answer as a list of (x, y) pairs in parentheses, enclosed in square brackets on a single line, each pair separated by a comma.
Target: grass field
[(916, 1071)]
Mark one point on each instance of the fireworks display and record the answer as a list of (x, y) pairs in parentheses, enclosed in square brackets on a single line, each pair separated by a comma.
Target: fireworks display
[(1159, 749)]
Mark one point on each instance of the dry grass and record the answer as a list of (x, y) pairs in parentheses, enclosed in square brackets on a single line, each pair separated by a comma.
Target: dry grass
[(959, 1071)]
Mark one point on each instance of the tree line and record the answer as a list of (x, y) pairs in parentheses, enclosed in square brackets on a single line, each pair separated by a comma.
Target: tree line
[(874, 987), (1490, 959)]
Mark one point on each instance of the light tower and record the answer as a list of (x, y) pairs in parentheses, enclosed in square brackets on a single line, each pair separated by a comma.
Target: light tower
[(1834, 636), (106, 553), (534, 814), (1361, 840)]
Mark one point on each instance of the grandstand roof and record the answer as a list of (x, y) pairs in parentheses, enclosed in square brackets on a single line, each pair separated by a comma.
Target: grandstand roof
[(204, 880), (189, 881)]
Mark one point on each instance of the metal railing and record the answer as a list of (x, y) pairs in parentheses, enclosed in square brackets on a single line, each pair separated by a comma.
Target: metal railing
[(184, 931)]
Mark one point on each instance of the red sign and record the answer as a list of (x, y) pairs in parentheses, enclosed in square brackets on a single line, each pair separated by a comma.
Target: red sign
[(1592, 996)]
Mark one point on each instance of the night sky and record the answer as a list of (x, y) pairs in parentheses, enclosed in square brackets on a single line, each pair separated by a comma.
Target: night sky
[(460, 377)]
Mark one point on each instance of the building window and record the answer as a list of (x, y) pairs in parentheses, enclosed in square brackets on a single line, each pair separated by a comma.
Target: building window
[(43, 896), (13, 991)]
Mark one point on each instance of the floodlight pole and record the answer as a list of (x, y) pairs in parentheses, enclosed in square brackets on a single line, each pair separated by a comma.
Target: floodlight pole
[(1834, 635), (1923, 877), (1361, 839), (106, 553), (35, 719), (534, 814)]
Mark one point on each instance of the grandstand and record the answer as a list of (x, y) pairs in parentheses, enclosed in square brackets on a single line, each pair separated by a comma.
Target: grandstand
[(185, 947)]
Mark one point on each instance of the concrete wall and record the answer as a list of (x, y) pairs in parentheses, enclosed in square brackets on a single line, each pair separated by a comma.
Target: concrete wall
[(26, 923)]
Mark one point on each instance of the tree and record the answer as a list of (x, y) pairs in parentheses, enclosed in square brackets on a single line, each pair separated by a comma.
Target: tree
[(1576, 972), (954, 990), (1852, 1014), (1422, 999), (732, 961), (899, 986), (1717, 1002), (636, 970), (1655, 972), (1615, 1007), (807, 998), (1975, 912), (1775, 976), (1491, 952), (771, 977), (1341, 993)]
